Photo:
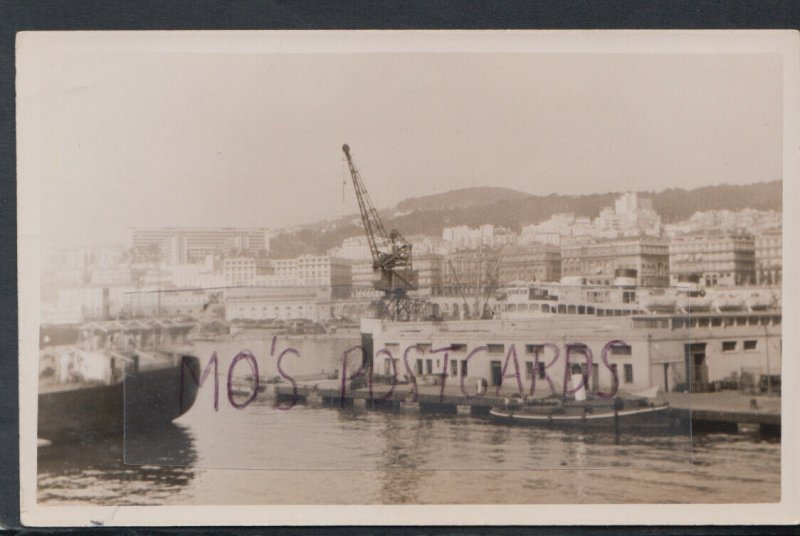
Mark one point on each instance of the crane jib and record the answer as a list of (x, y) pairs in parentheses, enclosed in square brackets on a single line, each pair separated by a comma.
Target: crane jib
[(391, 253)]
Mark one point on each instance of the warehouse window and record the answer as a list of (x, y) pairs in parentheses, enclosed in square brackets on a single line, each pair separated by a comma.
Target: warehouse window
[(750, 345), (728, 346), (628, 373), (496, 348), (621, 350)]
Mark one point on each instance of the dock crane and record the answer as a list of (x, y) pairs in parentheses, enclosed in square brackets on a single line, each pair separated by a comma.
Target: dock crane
[(491, 285), (460, 288), (483, 292), (391, 255)]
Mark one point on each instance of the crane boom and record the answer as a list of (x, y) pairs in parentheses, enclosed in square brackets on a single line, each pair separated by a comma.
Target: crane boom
[(391, 253), (369, 216)]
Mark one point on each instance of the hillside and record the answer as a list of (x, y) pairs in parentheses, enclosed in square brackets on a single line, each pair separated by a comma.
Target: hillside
[(467, 197), (513, 209)]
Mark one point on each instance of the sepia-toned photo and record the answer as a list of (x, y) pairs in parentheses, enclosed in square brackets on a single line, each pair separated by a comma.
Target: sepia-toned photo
[(399, 269)]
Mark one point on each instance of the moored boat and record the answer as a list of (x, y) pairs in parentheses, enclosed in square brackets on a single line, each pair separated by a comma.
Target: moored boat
[(601, 412)]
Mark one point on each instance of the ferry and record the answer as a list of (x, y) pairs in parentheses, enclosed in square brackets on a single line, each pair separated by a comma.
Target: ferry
[(537, 300), (572, 296)]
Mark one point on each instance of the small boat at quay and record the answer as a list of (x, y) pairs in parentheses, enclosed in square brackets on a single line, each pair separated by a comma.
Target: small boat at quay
[(603, 412)]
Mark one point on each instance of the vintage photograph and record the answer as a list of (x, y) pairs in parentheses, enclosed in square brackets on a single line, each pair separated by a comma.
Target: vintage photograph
[(402, 268)]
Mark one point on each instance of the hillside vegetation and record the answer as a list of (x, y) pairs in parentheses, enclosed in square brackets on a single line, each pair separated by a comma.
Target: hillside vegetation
[(513, 209)]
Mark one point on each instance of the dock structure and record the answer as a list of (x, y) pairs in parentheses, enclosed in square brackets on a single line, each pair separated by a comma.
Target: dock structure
[(727, 410), (427, 398), (724, 411)]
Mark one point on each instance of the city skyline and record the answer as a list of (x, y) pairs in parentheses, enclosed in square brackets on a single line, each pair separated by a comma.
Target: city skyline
[(124, 238)]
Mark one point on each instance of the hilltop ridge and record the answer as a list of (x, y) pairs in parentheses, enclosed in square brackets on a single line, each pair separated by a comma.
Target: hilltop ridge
[(514, 209)]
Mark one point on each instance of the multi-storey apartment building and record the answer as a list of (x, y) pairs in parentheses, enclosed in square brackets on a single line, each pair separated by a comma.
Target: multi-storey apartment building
[(429, 271), (239, 270), (541, 262), (467, 271), (769, 257), (180, 245), (316, 270), (724, 259), (598, 261)]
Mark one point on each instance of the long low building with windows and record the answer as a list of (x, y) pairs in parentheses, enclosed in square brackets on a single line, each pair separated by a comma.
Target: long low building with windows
[(278, 303), (696, 352)]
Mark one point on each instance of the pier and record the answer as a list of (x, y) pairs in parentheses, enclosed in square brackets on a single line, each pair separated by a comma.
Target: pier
[(728, 410), (722, 411), (429, 397)]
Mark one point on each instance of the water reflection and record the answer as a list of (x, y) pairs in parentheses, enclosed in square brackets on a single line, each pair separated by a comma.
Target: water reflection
[(93, 471), (398, 463)]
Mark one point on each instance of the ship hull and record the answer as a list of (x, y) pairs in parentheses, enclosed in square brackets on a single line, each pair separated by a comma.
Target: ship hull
[(145, 399)]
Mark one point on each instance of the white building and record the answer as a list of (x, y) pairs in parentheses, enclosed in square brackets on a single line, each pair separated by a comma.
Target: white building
[(278, 303), (552, 231), (749, 220), (117, 275), (315, 270), (210, 280), (180, 245), (191, 275), (83, 302), (486, 235), (673, 352), (630, 216), (147, 303), (355, 248), (239, 271), (769, 257)]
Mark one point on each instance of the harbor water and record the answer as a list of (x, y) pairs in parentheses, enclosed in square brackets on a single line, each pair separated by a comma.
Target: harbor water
[(310, 454)]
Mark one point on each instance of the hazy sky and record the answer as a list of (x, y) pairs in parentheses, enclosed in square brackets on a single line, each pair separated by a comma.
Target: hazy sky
[(151, 136)]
